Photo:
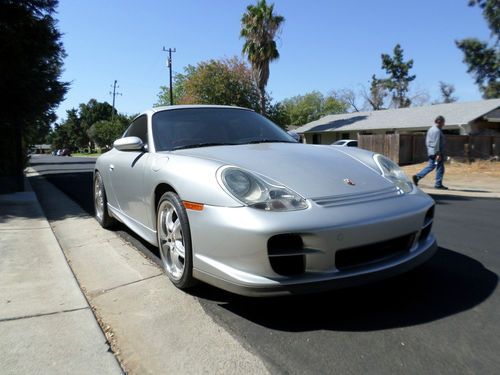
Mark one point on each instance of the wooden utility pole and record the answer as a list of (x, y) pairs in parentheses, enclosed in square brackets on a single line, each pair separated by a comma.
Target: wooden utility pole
[(169, 64), (114, 93)]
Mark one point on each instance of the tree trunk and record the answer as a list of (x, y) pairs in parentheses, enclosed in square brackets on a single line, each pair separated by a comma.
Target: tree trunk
[(262, 95)]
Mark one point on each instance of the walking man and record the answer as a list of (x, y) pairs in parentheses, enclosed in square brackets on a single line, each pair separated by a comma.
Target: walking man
[(435, 143)]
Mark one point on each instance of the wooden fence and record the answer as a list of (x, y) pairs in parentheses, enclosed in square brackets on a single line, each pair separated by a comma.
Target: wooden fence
[(410, 148)]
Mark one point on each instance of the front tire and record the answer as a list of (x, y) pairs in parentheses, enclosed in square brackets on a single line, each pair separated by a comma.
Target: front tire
[(101, 203), (174, 240)]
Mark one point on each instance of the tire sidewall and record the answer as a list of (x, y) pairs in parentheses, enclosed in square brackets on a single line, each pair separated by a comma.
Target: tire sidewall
[(106, 220)]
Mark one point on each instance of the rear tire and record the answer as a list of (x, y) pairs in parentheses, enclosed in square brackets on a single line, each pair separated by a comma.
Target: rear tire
[(174, 240), (101, 203)]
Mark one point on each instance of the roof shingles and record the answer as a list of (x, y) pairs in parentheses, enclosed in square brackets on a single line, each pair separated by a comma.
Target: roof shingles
[(402, 118)]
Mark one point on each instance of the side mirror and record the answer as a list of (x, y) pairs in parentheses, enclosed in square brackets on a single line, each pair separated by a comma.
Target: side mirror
[(128, 144)]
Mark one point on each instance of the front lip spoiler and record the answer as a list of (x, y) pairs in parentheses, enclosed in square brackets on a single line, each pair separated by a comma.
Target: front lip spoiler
[(318, 286)]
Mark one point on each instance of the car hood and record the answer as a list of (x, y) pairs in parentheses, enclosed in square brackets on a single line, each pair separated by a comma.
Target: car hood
[(313, 171)]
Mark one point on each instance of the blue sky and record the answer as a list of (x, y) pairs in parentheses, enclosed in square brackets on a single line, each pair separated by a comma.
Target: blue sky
[(324, 44)]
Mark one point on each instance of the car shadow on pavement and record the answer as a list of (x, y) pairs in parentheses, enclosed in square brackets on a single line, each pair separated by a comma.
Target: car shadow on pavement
[(39, 184), (446, 198), (75, 185), (448, 284)]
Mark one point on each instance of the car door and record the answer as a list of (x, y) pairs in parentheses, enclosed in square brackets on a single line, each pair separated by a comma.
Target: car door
[(127, 174)]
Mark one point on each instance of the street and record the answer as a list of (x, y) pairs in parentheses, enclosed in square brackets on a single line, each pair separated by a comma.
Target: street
[(439, 318)]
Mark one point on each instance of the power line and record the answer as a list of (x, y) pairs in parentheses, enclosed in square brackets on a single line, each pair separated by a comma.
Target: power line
[(169, 64), (114, 94)]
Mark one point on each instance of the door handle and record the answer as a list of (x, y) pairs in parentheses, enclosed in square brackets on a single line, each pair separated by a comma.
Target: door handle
[(111, 167)]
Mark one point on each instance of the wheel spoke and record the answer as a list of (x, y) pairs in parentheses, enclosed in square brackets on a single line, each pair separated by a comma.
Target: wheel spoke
[(176, 231), (162, 227), (99, 197), (179, 249), (169, 219), (178, 262)]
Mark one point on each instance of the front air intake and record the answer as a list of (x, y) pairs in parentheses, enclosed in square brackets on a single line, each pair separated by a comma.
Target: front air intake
[(286, 254), (373, 253)]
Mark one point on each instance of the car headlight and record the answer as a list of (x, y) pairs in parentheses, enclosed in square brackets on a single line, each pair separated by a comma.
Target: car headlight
[(392, 172), (259, 192)]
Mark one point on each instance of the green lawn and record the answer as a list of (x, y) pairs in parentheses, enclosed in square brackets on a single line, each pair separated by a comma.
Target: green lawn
[(85, 155)]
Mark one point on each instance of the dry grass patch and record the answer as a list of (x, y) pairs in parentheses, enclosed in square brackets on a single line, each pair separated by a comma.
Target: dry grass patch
[(476, 168)]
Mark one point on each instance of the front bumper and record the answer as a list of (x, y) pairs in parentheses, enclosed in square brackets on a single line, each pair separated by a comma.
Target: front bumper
[(230, 245)]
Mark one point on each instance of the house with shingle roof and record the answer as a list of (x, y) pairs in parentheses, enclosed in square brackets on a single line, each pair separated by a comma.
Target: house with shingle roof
[(467, 118)]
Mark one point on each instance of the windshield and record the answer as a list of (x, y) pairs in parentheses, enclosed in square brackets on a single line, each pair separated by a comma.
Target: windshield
[(202, 127)]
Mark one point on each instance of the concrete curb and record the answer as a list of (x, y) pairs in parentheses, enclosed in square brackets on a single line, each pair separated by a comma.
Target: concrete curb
[(462, 192)]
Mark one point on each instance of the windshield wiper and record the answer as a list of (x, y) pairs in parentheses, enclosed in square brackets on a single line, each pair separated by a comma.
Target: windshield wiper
[(206, 144), (267, 141)]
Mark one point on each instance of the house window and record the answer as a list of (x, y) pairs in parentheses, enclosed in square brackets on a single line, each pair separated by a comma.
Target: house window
[(316, 139), (344, 136)]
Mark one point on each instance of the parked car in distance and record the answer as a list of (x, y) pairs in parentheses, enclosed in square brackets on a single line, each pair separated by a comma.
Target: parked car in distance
[(233, 200), (62, 152), (346, 143)]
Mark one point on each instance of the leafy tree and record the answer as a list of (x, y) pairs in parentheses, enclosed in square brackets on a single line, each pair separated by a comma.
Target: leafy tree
[(222, 82), (447, 90), (399, 78), (483, 61), (31, 67), (491, 13), (179, 93), (225, 82), (73, 131), (94, 111), (276, 113), (375, 99), (104, 132), (259, 26), (302, 109)]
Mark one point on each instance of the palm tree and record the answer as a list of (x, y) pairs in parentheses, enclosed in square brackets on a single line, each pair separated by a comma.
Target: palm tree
[(259, 26)]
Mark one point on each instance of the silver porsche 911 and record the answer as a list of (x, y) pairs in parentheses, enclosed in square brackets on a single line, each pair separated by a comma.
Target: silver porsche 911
[(232, 200)]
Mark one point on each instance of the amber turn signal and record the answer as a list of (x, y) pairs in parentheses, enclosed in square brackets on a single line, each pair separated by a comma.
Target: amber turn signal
[(193, 206)]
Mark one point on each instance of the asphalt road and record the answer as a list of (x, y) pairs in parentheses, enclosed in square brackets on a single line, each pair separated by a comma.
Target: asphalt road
[(439, 318)]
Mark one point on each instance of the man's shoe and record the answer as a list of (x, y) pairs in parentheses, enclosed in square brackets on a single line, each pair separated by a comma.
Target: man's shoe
[(415, 179), (441, 187)]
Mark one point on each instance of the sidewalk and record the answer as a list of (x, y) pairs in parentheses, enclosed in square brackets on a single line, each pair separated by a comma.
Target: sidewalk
[(46, 324)]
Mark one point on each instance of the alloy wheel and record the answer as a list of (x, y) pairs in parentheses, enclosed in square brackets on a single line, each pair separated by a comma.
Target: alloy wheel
[(171, 241)]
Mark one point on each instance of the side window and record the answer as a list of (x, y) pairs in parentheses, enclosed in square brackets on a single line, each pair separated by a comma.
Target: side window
[(139, 128)]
